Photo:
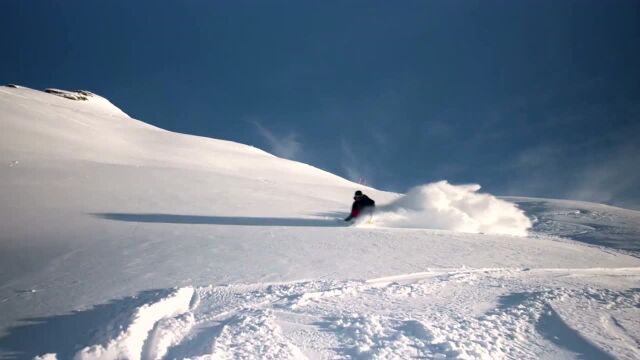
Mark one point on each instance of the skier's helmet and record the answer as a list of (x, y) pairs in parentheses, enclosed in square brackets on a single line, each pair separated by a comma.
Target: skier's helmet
[(358, 194)]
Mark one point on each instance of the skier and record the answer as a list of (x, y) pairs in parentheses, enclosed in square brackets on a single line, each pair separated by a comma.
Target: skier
[(362, 205)]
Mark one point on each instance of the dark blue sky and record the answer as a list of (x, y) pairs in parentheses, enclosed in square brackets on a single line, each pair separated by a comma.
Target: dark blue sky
[(538, 98)]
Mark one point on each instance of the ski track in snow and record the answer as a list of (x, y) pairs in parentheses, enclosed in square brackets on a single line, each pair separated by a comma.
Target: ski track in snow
[(398, 317)]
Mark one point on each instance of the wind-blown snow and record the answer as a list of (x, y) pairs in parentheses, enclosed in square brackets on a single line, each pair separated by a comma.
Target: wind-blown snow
[(444, 206), (122, 240)]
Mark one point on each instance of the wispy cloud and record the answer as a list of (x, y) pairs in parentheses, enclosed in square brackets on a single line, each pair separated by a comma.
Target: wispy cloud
[(286, 146), (355, 169), (537, 157), (610, 177), (613, 179)]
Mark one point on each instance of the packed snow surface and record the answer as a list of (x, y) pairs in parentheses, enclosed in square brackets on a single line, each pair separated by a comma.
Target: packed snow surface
[(120, 240)]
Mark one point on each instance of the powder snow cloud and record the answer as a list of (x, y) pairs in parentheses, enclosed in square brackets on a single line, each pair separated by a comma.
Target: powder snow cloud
[(461, 208)]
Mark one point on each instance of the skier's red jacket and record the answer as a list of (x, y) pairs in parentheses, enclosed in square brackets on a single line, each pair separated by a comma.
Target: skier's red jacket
[(360, 204)]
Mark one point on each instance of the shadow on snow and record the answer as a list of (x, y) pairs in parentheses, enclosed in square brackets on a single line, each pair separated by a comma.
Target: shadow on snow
[(554, 329), (218, 220), (551, 326), (67, 334)]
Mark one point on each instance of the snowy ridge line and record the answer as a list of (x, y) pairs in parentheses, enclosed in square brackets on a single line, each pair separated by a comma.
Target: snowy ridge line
[(81, 101), (443, 271)]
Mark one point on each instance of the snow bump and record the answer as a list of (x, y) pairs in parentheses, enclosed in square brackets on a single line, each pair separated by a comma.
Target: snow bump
[(130, 342)]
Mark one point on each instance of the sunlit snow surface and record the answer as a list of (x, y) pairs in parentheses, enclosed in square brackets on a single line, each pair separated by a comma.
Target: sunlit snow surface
[(120, 240)]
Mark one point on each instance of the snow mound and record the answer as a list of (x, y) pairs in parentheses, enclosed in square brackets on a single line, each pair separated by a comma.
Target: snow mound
[(129, 343), (96, 102), (71, 95), (441, 205)]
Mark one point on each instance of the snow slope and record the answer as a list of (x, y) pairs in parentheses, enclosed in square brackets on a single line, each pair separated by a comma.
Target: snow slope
[(122, 240)]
